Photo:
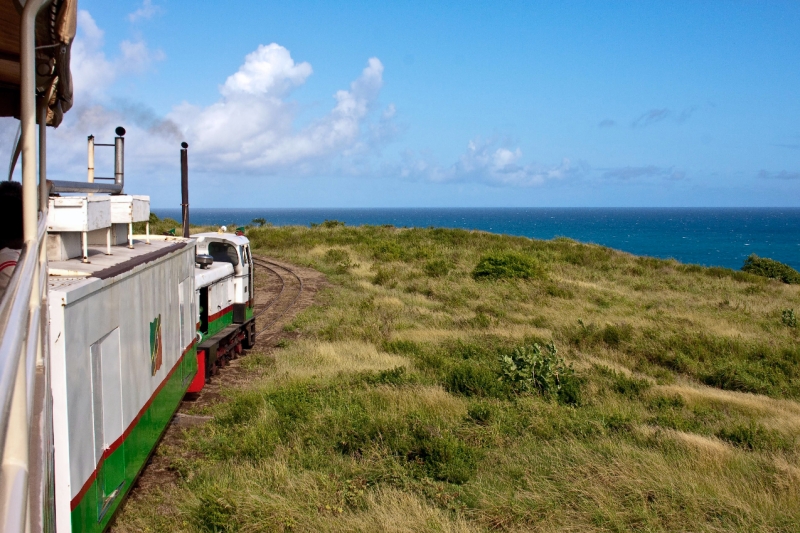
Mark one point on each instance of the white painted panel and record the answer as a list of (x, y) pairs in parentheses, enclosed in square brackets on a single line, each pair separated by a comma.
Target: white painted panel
[(78, 213), (126, 208), (106, 392)]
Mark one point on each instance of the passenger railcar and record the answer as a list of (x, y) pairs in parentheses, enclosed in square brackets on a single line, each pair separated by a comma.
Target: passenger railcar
[(122, 344)]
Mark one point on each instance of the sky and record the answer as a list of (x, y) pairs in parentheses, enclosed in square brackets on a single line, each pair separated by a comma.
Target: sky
[(440, 104)]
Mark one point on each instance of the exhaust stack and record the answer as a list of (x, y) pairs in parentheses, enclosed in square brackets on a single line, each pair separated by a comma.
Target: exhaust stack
[(119, 158), (185, 188)]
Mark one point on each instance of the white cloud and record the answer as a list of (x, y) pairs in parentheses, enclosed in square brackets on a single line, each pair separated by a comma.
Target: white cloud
[(92, 72), (269, 71), (147, 11), (485, 162), (251, 127)]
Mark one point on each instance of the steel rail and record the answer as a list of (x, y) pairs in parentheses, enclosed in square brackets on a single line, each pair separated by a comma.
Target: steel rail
[(292, 303), (280, 293)]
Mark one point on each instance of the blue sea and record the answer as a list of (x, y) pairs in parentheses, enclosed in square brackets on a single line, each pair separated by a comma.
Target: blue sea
[(708, 236)]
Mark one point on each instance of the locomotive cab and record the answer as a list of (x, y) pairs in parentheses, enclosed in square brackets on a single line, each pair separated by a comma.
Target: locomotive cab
[(224, 292), (233, 250)]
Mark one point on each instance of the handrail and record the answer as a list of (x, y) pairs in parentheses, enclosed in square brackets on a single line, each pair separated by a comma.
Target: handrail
[(23, 313), (20, 344)]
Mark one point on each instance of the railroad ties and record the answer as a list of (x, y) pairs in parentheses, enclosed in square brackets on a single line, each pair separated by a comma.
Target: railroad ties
[(291, 287)]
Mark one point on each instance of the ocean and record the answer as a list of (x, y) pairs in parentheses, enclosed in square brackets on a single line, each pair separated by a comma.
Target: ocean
[(705, 236)]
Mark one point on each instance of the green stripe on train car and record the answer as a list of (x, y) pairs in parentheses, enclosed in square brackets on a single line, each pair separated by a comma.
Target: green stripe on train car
[(248, 313), (132, 455), (219, 324)]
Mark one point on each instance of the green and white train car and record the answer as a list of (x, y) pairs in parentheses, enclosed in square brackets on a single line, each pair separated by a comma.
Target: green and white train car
[(122, 344), (224, 294)]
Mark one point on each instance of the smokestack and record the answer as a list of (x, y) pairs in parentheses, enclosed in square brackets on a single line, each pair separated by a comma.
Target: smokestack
[(119, 159), (185, 188)]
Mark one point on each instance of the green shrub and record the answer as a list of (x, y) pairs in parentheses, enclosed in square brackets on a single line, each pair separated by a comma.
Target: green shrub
[(788, 318), (330, 224), (507, 265), (340, 258), (754, 436), (385, 277), (769, 268), (615, 334), (630, 387), (436, 268), (480, 413), (471, 379), (215, 513), (529, 369), (443, 457), (736, 376), (395, 376)]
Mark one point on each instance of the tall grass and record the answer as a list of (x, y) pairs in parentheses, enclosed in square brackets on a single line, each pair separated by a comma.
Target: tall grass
[(394, 410)]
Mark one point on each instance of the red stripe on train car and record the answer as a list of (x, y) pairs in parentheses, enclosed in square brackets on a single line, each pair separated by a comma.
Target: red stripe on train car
[(117, 443), (215, 316)]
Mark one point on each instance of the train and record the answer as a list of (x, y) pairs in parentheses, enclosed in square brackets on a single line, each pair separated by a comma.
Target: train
[(134, 327), (103, 331)]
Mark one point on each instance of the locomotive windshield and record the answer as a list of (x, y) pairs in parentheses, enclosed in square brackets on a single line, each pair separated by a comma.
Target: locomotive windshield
[(223, 252)]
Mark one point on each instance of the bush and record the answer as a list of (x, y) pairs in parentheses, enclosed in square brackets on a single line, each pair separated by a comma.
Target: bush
[(507, 265), (385, 277), (437, 268), (788, 318), (769, 268), (529, 369), (615, 334), (470, 379), (754, 436), (445, 458), (340, 258)]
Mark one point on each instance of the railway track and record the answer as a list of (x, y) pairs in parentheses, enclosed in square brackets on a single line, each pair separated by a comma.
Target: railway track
[(291, 288)]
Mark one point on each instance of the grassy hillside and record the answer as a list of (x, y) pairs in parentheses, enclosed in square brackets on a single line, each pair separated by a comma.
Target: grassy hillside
[(423, 394)]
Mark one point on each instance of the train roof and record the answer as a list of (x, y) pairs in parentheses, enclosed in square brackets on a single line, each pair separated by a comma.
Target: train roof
[(211, 236), (72, 274)]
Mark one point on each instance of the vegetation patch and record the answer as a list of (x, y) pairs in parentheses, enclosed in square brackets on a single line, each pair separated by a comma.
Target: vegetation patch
[(533, 369), (507, 265), (424, 392), (769, 268)]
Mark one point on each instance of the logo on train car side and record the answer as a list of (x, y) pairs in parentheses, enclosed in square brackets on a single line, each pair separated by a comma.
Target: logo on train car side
[(155, 345)]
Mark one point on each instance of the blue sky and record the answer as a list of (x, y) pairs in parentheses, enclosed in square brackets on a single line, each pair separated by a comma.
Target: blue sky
[(348, 104)]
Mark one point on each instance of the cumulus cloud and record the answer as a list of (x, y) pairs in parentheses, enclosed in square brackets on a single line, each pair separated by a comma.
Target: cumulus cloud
[(650, 171), (147, 11), (782, 175), (485, 162), (252, 126), (269, 71)]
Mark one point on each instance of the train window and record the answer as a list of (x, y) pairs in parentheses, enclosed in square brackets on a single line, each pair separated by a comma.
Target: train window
[(243, 249), (223, 252)]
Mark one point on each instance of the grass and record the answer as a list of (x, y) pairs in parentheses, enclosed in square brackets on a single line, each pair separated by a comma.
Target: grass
[(394, 410)]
